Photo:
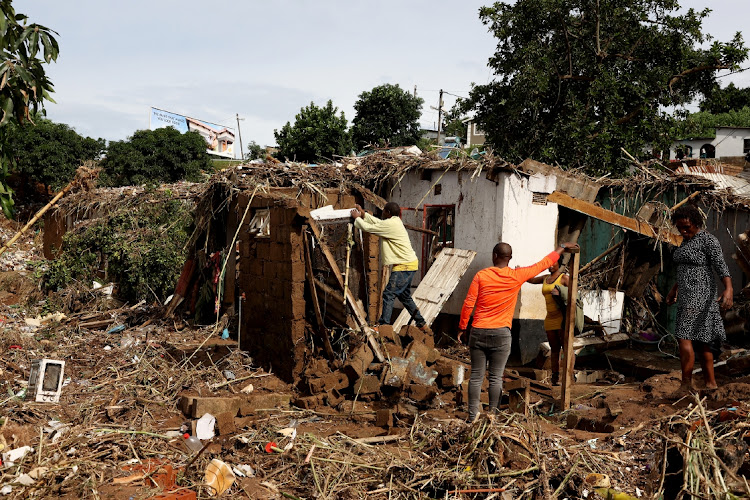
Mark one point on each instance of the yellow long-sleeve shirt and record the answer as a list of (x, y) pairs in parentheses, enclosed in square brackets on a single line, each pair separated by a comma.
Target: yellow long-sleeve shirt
[(395, 247)]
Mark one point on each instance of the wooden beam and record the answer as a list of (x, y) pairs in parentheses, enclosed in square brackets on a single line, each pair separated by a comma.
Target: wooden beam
[(322, 331), (359, 313), (613, 218), (569, 332)]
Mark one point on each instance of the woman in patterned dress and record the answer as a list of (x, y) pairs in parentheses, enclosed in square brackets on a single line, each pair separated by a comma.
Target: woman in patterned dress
[(699, 323)]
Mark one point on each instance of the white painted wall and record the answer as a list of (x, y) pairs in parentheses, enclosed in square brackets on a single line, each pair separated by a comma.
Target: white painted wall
[(728, 142), (486, 213)]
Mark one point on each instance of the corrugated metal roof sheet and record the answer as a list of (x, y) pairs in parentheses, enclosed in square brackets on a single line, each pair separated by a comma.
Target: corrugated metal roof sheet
[(739, 185)]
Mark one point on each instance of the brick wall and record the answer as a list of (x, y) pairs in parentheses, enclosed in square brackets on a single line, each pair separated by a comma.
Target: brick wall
[(272, 277)]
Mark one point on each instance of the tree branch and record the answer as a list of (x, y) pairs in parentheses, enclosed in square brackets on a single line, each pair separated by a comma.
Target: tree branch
[(697, 69)]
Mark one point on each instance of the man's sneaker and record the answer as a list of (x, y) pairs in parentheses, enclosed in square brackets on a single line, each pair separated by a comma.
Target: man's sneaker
[(426, 329)]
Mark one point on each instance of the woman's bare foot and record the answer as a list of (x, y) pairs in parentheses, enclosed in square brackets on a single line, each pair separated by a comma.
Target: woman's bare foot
[(685, 389)]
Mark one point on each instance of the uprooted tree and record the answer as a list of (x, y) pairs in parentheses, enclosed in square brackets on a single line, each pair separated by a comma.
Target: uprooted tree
[(577, 81), (24, 86)]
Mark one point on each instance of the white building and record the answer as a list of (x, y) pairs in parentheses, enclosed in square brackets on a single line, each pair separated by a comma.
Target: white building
[(729, 142), (471, 211)]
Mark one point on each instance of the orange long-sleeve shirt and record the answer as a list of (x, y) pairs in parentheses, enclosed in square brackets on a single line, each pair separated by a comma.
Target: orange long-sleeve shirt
[(494, 291)]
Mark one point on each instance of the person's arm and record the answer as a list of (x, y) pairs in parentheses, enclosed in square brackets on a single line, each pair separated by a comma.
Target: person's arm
[(372, 225), (524, 273), (716, 257), (538, 280), (565, 281), (672, 295), (468, 307)]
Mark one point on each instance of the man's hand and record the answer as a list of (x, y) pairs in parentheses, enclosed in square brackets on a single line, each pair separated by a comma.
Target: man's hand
[(460, 334), (672, 296), (357, 212)]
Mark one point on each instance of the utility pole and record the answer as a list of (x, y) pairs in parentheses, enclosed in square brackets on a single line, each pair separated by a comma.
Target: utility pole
[(440, 115), (239, 134)]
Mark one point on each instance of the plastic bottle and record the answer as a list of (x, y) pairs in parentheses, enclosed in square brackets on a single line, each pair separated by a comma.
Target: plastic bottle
[(192, 443)]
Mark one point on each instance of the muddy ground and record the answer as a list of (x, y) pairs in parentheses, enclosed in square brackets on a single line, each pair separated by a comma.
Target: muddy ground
[(130, 377)]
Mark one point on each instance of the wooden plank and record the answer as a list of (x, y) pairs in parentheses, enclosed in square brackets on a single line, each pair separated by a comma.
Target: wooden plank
[(438, 284), (570, 327), (613, 218), (359, 312), (579, 343), (322, 331)]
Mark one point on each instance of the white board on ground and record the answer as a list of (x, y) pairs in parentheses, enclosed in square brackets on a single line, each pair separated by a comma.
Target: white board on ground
[(438, 284)]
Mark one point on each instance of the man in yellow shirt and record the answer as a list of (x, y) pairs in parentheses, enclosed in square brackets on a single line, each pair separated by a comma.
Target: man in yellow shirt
[(396, 251)]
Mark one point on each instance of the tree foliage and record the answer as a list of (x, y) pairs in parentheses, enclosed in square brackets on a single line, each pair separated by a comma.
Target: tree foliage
[(724, 100), (24, 86), (704, 124), (255, 151), (155, 156), (318, 134), (386, 115), (452, 124), (576, 81), (50, 152), (140, 245)]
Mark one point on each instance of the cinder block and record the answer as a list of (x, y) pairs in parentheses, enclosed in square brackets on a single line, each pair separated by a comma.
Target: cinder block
[(254, 403), (367, 384), (384, 418), (197, 406)]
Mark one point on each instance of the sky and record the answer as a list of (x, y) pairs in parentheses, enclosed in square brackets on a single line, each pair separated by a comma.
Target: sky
[(266, 59)]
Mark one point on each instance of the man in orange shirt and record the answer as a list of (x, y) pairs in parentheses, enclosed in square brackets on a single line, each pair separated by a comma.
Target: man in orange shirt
[(492, 297)]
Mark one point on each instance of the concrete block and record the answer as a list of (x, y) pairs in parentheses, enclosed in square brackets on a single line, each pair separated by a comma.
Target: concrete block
[(334, 398), (335, 380), (419, 352), (309, 402)]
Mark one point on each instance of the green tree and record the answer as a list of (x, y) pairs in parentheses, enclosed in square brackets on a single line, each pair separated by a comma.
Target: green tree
[(576, 81), (386, 115), (50, 152), (452, 124), (704, 124), (155, 156), (724, 100), (24, 86), (318, 134), (255, 151)]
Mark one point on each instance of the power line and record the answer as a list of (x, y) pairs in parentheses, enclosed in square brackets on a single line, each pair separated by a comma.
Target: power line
[(734, 72)]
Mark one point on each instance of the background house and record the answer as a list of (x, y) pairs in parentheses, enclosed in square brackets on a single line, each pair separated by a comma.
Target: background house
[(731, 144)]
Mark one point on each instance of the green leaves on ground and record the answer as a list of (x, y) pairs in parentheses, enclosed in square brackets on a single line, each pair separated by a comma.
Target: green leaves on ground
[(576, 81), (139, 245)]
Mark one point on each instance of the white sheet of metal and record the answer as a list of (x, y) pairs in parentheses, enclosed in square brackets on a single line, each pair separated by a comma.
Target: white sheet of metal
[(438, 284)]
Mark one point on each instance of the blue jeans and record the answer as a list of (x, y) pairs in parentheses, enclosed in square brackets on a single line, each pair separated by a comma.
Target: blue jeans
[(399, 285), (493, 346)]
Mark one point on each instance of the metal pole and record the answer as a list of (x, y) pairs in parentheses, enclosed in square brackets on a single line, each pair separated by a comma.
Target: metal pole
[(440, 116), (239, 135)]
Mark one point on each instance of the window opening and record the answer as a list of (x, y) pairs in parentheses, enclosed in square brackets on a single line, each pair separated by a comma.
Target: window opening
[(259, 226)]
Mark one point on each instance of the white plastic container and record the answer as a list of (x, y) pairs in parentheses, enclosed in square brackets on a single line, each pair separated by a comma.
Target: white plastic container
[(192, 443)]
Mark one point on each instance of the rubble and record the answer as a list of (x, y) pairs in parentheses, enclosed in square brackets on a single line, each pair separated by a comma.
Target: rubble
[(348, 423)]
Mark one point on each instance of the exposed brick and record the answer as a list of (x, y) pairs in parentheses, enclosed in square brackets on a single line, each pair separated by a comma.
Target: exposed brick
[(422, 393), (225, 423), (367, 384), (197, 406), (309, 402), (359, 360), (384, 418), (255, 402)]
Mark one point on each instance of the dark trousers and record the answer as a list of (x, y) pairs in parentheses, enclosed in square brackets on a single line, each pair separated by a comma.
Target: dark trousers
[(487, 346), (399, 285)]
